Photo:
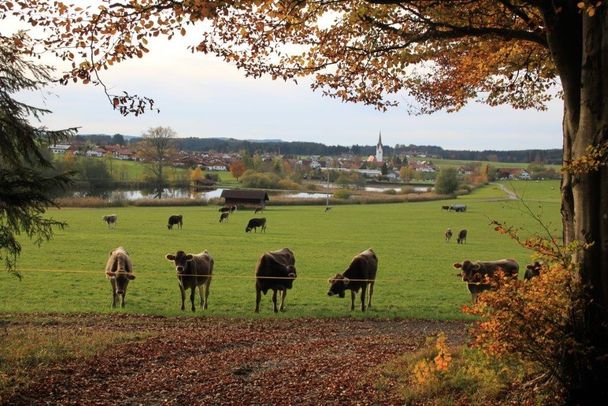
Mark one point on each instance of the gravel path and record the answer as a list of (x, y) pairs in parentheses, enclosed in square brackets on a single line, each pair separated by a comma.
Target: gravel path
[(217, 361)]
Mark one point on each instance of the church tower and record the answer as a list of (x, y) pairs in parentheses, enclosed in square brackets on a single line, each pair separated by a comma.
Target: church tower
[(379, 152)]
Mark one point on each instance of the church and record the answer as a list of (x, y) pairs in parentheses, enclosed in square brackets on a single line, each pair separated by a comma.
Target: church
[(379, 158)]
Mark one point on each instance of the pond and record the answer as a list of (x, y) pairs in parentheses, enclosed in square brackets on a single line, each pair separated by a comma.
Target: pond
[(185, 193)]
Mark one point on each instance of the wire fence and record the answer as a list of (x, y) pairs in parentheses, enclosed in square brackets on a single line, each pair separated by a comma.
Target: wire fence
[(254, 277)]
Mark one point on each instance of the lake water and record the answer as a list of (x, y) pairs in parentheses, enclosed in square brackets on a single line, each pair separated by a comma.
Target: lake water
[(183, 193)]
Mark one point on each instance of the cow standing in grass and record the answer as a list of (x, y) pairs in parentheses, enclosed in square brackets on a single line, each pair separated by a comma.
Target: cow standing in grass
[(253, 224), (193, 271), (360, 275), (483, 275), (119, 270), (448, 235), (175, 219), (224, 216), (276, 271), (462, 237), (110, 219)]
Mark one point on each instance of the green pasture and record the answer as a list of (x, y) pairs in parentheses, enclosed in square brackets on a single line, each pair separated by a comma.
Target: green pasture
[(415, 276), (455, 163)]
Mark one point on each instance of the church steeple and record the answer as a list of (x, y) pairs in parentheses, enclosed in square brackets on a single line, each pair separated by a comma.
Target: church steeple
[(379, 152)]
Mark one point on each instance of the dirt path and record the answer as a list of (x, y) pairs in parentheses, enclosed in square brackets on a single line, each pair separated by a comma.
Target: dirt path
[(511, 195), (215, 361)]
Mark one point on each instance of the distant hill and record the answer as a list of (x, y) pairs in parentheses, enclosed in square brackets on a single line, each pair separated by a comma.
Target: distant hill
[(549, 156)]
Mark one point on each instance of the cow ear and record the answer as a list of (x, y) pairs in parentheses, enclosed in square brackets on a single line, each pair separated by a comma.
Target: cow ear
[(130, 276), (346, 281), (458, 265), (189, 257), (459, 274), (170, 257)]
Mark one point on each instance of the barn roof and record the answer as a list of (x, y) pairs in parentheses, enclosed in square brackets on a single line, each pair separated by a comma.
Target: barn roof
[(244, 194)]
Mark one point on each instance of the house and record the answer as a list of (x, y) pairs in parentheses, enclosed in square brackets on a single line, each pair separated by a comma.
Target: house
[(245, 197), (59, 148), (97, 153)]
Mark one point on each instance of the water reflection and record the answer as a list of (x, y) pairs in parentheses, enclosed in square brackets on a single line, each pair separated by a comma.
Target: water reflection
[(185, 193)]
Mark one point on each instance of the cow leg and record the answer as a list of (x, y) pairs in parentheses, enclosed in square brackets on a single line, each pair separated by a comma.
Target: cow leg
[(371, 292), (363, 294), (183, 292), (283, 294), (207, 286), (113, 293), (192, 293), (258, 297), (274, 300), (352, 300), (122, 299)]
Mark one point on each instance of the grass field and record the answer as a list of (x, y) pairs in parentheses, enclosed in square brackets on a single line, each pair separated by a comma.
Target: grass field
[(415, 276)]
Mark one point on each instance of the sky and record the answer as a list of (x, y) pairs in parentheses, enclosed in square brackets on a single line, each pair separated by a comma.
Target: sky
[(202, 96)]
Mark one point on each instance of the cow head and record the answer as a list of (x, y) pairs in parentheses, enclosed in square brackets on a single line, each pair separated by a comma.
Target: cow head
[(247, 229), (337, 285), (180, 259), (470, 271)]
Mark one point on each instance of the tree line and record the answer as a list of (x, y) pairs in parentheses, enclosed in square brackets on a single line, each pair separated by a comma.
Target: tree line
[(231, 145)]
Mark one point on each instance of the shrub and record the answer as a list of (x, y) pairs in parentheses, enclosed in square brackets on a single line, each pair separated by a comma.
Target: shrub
[(342, 194), (260, 180), (288, 184)]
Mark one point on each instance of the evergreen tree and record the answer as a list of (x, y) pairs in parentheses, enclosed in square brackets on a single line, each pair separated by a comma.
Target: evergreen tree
[(26, 176)]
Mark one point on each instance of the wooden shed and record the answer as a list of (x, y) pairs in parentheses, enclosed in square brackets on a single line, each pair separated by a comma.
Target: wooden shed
[(245, 197)]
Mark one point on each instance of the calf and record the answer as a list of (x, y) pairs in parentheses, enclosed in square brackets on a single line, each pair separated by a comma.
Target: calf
[(224, 216), (360, 274), (448, 235), (173, 220), (119, 270), (110, 219), (274, 271), (258, 209), (255, 223), (483, 275), (193, 271), (532, 271), (462, 237)]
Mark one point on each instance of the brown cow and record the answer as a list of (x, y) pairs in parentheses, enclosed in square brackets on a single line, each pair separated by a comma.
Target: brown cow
[(274, 271), (479, 275), (533, 270), (224, 216), (119, 270), (193, 271), (462, 237), (175, 219), (448, 235), (254, 223), (110, 219), (360, 274)]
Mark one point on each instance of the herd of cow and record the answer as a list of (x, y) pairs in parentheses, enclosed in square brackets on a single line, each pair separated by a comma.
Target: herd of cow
[(275, 270)]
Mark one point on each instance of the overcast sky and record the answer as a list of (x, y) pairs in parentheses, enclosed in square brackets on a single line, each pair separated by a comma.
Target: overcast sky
[(201, 96)]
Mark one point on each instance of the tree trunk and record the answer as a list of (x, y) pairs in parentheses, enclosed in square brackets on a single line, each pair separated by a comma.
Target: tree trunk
[(585, 195)]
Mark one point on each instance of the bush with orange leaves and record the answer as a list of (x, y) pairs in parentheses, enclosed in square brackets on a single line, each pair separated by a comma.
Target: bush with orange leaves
[(532, 320)]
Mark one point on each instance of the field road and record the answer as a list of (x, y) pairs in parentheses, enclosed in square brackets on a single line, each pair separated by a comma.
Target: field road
[(223, 361)]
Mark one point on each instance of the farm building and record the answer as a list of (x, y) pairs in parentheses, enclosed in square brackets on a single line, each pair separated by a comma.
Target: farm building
[(245, 197)]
